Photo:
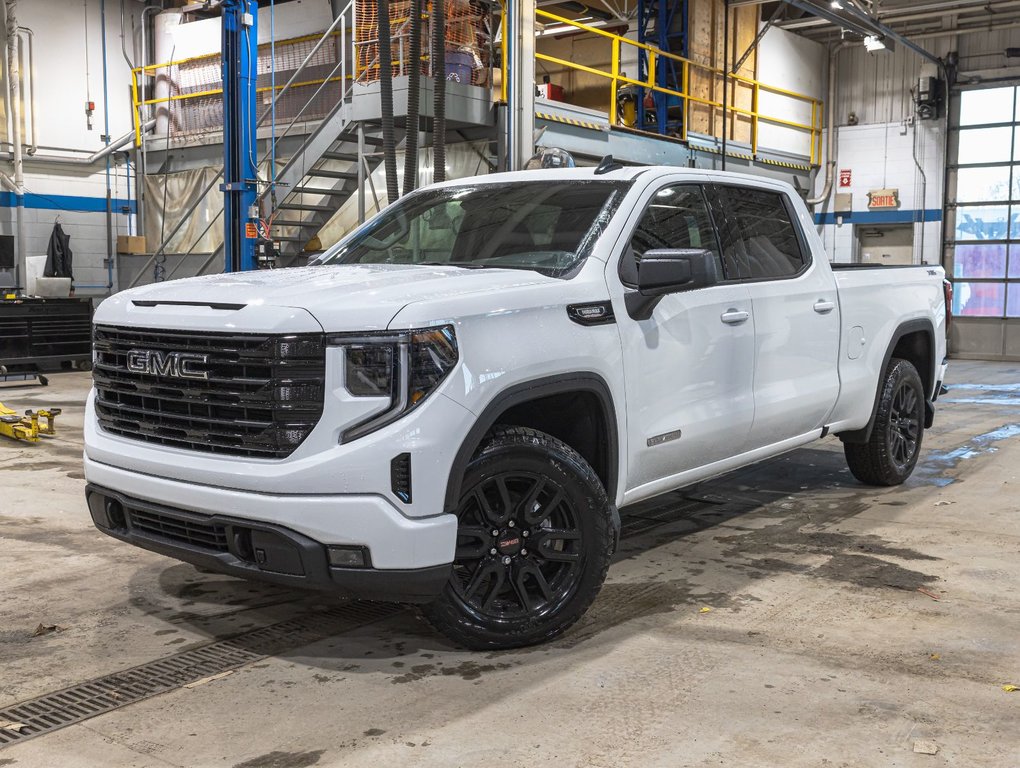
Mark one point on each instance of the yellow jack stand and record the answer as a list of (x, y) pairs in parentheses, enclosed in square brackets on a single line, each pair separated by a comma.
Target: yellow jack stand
[(27, 427)]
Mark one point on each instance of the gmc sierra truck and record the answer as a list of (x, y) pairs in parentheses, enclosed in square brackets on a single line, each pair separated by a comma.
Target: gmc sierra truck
[(451, 406)]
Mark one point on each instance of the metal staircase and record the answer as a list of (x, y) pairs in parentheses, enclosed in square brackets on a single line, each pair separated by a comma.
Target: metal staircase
[(319, 179)]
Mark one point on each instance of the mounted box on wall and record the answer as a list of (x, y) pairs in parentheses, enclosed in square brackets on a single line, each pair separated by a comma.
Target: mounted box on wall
[(131, 244), (844, 203)]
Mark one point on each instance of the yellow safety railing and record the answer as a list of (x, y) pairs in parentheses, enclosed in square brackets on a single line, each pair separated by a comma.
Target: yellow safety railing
[(616, 78), (154, 70)]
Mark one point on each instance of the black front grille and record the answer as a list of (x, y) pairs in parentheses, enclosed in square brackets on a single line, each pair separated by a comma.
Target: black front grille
[(262, 396), (185, 530)]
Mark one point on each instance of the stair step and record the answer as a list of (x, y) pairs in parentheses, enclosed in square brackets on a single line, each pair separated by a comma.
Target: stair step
[(305, 207), (326, 174), (348, 156), (336, 192), (302, 224)]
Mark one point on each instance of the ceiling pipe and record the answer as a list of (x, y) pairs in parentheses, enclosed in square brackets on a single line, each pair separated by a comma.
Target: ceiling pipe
[(933, 12), (894, 35), (830, 128), (95, 157), (830, 16), (864, 24), (900, 19)]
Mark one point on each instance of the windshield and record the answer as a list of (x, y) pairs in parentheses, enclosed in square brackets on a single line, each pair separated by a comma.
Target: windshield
[(547, 226)]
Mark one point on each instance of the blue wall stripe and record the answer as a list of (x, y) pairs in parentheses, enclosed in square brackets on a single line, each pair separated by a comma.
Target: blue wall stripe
[(881, 217), (66, 203)]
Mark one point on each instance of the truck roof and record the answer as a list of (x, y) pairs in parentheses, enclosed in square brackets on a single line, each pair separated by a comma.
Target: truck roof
[(626, 173)]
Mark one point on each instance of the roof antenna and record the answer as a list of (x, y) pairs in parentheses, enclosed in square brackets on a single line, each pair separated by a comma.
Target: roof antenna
[(606, 165)]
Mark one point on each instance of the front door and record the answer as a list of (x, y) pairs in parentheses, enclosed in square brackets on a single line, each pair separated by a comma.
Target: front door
[(688, 367)]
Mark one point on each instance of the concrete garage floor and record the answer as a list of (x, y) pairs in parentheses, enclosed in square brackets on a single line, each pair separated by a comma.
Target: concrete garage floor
[(769, 618)]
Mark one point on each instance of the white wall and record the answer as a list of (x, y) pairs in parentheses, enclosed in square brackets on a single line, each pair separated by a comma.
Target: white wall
[(881, 156), (294, 19), (793, 63), (74, 193)]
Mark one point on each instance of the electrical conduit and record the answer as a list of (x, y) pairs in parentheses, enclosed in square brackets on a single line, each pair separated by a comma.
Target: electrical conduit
[(386, 101)]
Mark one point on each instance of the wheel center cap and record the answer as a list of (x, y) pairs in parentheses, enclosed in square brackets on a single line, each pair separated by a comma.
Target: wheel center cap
[(509, 541)]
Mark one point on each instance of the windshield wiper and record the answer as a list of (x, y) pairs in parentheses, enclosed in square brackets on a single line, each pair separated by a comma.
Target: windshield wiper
[(462, 265)]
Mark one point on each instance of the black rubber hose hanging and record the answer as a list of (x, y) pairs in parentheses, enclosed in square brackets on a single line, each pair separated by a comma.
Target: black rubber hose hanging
[(439, 102), (413, 100), (386, 101)]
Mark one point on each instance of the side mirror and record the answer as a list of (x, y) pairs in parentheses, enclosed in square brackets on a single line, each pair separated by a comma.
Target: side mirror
[(673, 270), (666, 271)]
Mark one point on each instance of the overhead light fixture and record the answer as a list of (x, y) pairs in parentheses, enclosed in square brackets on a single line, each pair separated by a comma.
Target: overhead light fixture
[(875, 43), (837, 5)]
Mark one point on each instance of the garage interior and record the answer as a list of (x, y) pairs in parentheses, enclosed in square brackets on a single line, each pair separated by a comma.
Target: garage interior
[(782, 614)]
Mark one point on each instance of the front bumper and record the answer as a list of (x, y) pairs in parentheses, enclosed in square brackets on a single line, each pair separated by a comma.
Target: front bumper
[(253, 550)]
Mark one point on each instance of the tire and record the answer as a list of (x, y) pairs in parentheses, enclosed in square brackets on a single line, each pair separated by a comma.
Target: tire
[(889, 456), (533, 544)]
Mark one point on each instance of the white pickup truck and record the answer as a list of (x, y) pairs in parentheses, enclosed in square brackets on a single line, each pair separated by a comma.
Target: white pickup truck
[(454, 403)]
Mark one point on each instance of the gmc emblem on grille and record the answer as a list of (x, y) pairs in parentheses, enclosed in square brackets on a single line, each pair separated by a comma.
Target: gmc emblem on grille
[(180, 365)]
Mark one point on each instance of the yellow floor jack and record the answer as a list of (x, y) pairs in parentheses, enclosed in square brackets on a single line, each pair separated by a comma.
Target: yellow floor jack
[(27, 427)]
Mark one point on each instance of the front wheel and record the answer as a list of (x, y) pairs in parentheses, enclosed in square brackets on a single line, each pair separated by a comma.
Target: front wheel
[(534, 542), (891, 452)]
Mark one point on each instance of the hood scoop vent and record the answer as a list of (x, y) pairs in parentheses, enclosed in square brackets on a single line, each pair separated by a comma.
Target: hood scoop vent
[(211, 304)]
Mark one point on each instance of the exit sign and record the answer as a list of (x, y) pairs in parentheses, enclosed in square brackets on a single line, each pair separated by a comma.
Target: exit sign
[(879, 199)]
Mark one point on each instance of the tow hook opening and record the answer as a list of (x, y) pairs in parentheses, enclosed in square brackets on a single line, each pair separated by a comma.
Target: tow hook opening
[(243, 548)]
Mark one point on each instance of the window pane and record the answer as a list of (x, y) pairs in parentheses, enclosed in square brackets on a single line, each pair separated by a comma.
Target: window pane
[(985, 145), (763, 239), (1013, 300), (988, 105), (979, 261), (982, 222), (677, 217), (536, 225), (980, 185), (1014, 261), (978, 299)]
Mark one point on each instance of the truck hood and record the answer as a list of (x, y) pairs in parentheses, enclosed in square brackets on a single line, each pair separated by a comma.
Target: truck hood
[(347, 297)]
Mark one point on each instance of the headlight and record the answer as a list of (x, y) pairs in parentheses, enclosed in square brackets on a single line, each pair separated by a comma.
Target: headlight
[(405, 367)]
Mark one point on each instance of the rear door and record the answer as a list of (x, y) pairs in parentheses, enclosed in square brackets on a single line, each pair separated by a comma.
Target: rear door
[(796, 316), (688, 367)]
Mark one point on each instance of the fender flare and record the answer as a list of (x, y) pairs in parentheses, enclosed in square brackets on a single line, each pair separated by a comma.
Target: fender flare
[(585, 381), (925, 326)]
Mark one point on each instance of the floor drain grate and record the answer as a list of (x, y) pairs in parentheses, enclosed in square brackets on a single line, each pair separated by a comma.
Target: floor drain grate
[(56, 710)]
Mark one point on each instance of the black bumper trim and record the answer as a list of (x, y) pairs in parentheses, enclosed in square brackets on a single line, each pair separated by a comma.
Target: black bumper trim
[(300, 561)]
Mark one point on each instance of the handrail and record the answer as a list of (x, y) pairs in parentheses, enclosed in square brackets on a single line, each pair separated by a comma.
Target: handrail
[(330, 33), (280, 90), (814, 128)]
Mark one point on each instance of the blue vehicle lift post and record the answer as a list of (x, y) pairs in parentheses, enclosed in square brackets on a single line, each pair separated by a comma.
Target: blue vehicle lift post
[(663, 24), (240, 169)]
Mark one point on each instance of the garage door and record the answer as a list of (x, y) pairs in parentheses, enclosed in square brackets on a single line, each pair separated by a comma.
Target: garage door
[(983, 223)]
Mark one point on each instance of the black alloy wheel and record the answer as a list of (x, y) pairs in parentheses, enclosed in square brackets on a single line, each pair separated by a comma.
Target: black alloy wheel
[(534, 540), (892, 450), (518, 547), (905, 424)]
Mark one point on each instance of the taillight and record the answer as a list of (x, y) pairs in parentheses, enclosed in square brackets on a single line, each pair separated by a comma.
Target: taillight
[(947, 291)]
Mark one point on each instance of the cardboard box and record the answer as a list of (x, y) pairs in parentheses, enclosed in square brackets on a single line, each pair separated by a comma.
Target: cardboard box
[(131, 244)]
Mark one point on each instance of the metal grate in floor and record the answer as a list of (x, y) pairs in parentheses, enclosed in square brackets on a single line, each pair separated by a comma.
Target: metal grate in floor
[(53, 711)]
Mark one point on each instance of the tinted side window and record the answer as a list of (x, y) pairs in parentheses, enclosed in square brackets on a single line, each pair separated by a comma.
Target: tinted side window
[(676, 217), (759, 239)]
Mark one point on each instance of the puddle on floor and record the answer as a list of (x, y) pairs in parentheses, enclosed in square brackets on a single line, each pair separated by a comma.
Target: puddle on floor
[(936, 464)]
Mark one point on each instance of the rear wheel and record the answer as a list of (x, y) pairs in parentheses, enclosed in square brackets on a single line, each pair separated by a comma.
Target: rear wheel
[(891, 452), (533, 543)]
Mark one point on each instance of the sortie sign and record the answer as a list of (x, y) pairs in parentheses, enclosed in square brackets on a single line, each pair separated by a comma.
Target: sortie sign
[(883, 198)]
